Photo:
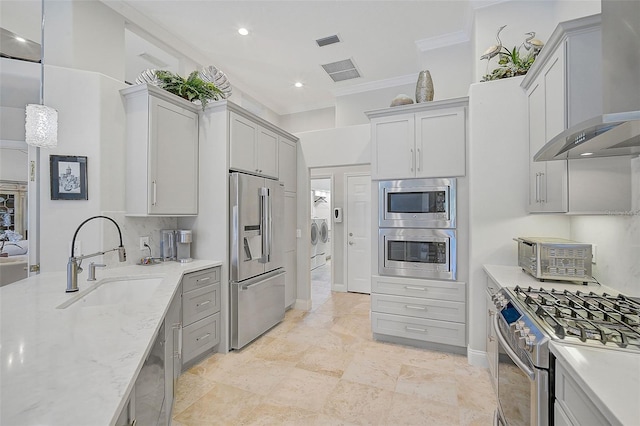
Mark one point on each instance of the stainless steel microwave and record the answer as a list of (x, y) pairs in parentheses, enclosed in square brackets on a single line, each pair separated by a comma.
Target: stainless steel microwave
[(417, 203), (419, 253)]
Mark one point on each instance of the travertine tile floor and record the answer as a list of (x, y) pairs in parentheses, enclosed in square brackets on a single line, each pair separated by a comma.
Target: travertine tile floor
[(322, 367)]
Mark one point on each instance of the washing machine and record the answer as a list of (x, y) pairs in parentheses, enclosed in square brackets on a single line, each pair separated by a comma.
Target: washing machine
[(323, 240), (314, 237)]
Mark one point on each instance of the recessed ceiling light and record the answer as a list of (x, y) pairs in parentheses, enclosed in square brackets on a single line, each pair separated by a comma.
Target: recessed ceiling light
[(298, 84), (585, 154), (20, 39), (243, 31)]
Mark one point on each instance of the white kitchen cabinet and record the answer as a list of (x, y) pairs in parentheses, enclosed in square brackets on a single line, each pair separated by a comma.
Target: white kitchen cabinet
[(574, 405), (547, 180), (290, 247), (492, 342), (172, 355), (428, 312), (161, 153), (420, 140), (287, 163), (253, 148), (564, 88), (201, 301)]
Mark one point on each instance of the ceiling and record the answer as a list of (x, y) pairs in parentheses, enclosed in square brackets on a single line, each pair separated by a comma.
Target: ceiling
[(384, 39)]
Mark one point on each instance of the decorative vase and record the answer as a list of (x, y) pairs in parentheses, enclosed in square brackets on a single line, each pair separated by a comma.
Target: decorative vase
[(424, 87)]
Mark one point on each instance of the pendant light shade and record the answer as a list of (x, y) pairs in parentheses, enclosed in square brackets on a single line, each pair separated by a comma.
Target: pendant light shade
[(41, 126)]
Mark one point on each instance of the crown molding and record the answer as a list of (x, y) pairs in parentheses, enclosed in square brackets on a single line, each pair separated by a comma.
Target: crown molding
[(443, 40)]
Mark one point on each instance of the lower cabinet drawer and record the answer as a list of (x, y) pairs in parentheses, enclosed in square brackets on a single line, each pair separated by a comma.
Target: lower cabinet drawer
[(442, 310), (200, 303), (575, 403), (200, 336), (448, 333), (439, 290), (199, 279)]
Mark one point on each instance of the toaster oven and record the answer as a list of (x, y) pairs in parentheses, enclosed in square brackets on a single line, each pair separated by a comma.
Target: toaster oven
[(555, 259)]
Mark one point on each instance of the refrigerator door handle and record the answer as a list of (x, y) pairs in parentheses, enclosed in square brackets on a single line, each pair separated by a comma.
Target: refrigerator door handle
[(265, 216)]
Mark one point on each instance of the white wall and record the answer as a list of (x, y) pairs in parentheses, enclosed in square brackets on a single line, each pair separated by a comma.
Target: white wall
[(450, 68), (350, 108), (520, 18), (84, 35), (498, 151), (318, 119), (617, 236), (13, 163), (21, 17)]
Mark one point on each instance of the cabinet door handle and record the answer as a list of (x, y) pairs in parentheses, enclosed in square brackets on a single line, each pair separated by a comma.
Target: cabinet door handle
[(543, 198), (419, 160), (203, 337), (537, 187), (155, 193), (417, 308), (408, 287), (412, 159)]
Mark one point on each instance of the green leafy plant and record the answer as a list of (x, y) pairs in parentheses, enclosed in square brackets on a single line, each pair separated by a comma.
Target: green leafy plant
[(191, 88), (511, 64)]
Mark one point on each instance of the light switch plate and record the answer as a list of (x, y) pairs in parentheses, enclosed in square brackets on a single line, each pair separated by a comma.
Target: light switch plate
[(298, 233)]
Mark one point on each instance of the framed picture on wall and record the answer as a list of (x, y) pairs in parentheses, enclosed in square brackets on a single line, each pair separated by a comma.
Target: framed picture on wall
[(68, 177)]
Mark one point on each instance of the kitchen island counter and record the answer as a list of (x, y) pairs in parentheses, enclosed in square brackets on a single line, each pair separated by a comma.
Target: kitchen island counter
[(77, 365)]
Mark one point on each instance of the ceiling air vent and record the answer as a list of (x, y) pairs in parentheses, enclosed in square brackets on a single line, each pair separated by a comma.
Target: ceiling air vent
[(328, 40), (341, 70)]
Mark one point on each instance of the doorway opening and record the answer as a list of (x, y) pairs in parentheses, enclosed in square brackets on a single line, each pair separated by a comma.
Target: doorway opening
[(320, 237)]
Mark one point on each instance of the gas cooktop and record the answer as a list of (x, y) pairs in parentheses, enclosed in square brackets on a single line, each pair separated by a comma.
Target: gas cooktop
[(582, 317)]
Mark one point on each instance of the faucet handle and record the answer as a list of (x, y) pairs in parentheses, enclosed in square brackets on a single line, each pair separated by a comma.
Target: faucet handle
[(92, 270)]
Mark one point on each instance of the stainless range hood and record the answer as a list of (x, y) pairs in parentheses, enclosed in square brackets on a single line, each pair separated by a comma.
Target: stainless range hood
[(617, 131)]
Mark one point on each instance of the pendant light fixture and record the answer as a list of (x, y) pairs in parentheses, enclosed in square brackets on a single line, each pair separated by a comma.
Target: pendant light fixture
[(41, 126)]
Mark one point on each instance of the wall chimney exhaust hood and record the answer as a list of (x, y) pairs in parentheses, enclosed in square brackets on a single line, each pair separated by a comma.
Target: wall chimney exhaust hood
[(617, 131)]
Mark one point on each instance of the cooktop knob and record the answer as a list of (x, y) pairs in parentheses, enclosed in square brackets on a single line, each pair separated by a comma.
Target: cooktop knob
[(530, 340)]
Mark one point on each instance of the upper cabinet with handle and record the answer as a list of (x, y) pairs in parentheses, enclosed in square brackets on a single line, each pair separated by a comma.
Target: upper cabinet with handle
[(564, 88), (161, 153), (419, 140)]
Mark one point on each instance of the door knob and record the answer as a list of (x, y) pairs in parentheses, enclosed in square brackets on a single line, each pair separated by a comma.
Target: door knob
[(351, 234), (351, 243)]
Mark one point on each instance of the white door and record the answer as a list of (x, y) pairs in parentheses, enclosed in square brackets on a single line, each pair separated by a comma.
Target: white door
[(358, 218)]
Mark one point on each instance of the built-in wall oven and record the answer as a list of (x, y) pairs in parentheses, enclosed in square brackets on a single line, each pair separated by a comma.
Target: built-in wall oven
[(417, 203), (416, 234), (420, 253)]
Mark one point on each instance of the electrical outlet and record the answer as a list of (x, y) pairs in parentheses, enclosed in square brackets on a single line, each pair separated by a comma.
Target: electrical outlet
[(77, 251), (594, 253), (143, 241)]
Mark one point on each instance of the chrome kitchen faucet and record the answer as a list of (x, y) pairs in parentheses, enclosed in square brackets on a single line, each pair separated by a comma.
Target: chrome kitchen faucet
[(73, 266)]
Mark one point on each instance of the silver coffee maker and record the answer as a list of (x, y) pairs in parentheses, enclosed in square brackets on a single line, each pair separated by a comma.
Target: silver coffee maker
[(168, 249), (183, 244)]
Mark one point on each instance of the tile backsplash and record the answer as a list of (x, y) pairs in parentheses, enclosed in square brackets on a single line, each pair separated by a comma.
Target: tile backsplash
[(132, 229)]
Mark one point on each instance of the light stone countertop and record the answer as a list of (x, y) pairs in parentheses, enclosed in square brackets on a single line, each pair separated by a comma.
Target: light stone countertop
[(610, 377), (75, 366)]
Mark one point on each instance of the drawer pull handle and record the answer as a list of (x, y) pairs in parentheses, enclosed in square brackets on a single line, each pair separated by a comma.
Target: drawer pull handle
[(408, 287), (203, 279), (203, 337), (422, 330), (420, 308), (203, 303)]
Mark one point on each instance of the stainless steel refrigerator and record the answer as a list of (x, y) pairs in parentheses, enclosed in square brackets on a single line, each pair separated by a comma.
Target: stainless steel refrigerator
[(256, 256)]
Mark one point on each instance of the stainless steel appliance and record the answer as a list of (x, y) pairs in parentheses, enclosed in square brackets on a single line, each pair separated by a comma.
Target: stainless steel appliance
[(527, 319), (555, 258), (420, 253), (417, 203), (184, 237), (256, 256)]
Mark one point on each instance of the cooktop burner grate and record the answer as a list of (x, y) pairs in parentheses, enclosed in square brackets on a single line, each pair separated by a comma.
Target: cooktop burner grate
[(613, 321)]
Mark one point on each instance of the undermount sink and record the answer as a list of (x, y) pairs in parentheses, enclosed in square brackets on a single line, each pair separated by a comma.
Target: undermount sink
[(114, 291)]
